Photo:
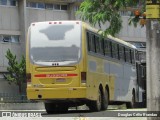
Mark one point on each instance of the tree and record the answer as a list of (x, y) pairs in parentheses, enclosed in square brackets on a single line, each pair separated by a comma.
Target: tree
[(16, 70), (102, 11)]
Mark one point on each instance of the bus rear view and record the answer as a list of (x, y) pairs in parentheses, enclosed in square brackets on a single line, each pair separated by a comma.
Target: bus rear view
[(54, 58)]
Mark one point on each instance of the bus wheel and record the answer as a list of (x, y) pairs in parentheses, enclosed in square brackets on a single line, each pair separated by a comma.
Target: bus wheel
[(55, 108), (96, 105), (62, 108), (50, 108), (105, 100), (133, 102)]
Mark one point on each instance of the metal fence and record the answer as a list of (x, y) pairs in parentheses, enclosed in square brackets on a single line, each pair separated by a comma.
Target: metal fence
[(13, 98)]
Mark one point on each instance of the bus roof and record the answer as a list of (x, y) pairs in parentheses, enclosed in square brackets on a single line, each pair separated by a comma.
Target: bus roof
[(89, 28), (109, 36)]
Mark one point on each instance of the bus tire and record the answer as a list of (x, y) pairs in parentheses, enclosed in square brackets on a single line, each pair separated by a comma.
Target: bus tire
[(50, 108), (55, 108), (105, 100), (132, 104), (96, 105), (62, 108)]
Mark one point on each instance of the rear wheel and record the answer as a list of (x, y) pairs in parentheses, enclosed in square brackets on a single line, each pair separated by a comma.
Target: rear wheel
[(105, 100), (96, 105), (133, 102), (55, 108), (50, 108)]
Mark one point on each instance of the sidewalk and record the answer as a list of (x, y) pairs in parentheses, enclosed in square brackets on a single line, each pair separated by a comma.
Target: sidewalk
[(22, 106)]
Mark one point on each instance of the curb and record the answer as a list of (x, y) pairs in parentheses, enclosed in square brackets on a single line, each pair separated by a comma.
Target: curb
[(22, 106)]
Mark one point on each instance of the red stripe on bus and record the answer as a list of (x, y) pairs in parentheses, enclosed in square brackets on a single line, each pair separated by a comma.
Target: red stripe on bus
[(55, 75), (40, 75)]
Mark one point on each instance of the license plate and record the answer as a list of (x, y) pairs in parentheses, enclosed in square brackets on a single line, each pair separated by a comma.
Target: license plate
[(60, 80)]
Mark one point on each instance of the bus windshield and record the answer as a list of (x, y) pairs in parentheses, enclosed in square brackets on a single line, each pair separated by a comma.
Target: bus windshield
[(55, 43)]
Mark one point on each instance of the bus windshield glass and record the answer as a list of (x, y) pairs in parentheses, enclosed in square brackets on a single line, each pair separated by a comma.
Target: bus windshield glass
[(55, 43)]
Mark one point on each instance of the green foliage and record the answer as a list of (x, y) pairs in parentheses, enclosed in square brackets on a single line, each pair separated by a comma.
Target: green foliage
[(136, 19), (133, 20), (102, 11), (16, 70)]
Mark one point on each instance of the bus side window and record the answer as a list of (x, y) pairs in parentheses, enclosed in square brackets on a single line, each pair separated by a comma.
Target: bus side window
[(127, 54), (97, 42), (121, 53), (88, 41), (132, 57), (114, 50), (102, 46), (92, 39), (107, 48), (137, 55)]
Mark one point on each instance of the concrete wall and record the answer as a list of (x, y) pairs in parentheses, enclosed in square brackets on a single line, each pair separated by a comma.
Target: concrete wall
[(128, 32), (131, 33), (9, 20), (10, 89), (38, 15), (9, 25)]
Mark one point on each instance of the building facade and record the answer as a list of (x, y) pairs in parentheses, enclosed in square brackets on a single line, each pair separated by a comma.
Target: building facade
[(17, 15), (15, 18)]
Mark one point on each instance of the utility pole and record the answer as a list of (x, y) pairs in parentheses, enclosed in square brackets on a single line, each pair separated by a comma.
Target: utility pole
[(153, 56), (153, 66)]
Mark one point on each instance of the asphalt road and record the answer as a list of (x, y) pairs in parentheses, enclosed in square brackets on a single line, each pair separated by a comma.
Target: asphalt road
[(113, 113)]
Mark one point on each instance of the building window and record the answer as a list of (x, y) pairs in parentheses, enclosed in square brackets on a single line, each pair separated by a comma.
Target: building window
[(76, 8), (64, 7), (1, 38), (15, 39), (28, 4), (32, 4), (49, 6), (9, 38), (6, 38), (56, 7), (41, 5), (12, 2), (3, 2)]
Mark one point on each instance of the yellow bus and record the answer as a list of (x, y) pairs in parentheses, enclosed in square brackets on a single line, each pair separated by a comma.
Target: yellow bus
[(69, 64)]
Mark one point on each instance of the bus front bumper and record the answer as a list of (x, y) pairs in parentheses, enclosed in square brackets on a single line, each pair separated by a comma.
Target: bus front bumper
[(55, 93)]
